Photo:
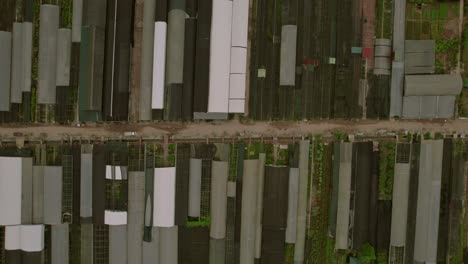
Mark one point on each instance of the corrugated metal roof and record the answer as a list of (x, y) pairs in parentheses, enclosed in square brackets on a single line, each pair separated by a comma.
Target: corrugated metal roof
[(60, 243), (417, 63), (27, 55), (288, 55), (400, 204), (63, 56), (446, 106), (396, 91), (428, 106), (118, 244), (49, 23), (428, 201), (52, 195), (383, 42), (344, 196), (16, 63), (77, 18), (399, 30), (210, 116), (383, 51), (419, 56), (443, 84), (419, 46)]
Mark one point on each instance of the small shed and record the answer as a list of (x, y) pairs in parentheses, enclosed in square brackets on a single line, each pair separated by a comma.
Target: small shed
[(356, 50)]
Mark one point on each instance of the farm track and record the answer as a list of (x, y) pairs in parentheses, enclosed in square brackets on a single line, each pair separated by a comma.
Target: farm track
[(229, 131)]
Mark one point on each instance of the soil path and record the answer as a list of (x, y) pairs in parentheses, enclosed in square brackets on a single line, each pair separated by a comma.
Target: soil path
[(229, 129)]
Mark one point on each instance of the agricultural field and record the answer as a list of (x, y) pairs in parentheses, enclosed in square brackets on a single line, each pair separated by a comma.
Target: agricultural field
[(438, 21), (384, 19), (386, 170)]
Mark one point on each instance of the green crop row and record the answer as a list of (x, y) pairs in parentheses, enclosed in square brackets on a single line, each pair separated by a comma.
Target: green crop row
[(386, 169)]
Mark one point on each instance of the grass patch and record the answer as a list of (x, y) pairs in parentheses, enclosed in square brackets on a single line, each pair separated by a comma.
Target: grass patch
[(289, 254), (276, 154), (463, 103), (443, 11), (332, 256), (382, 257), (202, 222)]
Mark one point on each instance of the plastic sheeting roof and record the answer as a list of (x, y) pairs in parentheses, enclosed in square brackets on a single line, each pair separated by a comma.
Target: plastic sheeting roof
[(220, 57), (29, 238), (396, 88), (116, 172), (159, 65), (164, 196), (10, 190), (5, 69), (288, 55)]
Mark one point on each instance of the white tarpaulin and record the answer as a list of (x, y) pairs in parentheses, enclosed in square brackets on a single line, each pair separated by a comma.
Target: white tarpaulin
[(29, 238), (115, 217)]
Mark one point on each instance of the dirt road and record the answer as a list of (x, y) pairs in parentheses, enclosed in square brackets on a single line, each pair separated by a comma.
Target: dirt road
[(229, 129)]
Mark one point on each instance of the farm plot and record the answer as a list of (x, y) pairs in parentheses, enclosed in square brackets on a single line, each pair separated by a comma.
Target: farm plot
[(437, 21)]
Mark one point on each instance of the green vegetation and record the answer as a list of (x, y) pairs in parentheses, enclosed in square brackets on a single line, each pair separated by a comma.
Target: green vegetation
[(438, 136), (367, 254), (382, 257), (289, 254), (276, 154), (421, 1), (386, 169), (459, 147), (462, 101), (333, 257), (52, 156), (233, 162), (170, 156), (253, 150), (66, 13), (202, 222), (35, 59), (448, 47), (443, 10), (427, 136), (436, 20), (318, 230), (439, 66), (384, 18), (459, 257), (456, 248), (340, 135), (161, 157)]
